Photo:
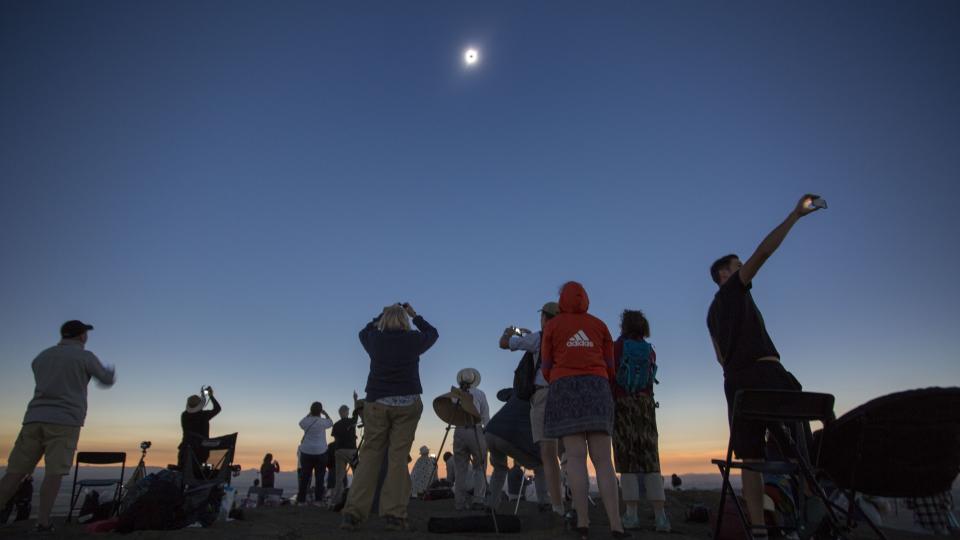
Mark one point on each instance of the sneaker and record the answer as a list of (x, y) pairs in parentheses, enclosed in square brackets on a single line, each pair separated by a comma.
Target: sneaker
[(397, 524), (662, 524), (41, 529), (631, 522), (349, 523)]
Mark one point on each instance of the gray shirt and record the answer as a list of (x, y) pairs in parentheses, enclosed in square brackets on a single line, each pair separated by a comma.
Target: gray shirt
[(62, 373)]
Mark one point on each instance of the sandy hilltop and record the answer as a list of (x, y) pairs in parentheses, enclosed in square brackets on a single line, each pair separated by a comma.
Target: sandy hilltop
[(306, 522)]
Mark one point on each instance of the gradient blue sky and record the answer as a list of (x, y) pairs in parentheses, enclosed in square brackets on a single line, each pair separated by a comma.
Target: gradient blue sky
[(228, 191)]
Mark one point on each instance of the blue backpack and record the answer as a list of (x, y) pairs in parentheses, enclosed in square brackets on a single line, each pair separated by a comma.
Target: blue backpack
[(637, 371)]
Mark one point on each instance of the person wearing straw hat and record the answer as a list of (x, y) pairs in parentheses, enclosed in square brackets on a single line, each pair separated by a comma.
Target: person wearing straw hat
[(195, 423), (469, 444)]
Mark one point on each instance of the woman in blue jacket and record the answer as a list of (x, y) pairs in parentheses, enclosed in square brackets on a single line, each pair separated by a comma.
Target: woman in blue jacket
[(391, 413)]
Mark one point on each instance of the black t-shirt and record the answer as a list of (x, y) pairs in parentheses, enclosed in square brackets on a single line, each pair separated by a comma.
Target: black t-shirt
[(345, 434), (197, 425), (737, 326)]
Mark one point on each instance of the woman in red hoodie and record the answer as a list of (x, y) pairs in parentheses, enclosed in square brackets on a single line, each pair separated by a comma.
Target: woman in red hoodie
[(577, 360)]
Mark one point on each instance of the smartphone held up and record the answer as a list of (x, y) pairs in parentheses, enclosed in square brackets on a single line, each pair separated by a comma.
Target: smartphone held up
[(816, 203)]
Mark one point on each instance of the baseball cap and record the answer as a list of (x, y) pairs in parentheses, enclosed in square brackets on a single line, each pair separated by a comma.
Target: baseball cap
[(551, 308), (72, 329)]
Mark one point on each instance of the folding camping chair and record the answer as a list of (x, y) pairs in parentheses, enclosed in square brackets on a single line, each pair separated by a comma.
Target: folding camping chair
[(97, 458), (783, 411), (208, 461)]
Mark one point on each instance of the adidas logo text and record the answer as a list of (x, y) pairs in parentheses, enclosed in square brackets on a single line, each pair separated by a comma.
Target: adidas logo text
[(579, 339)]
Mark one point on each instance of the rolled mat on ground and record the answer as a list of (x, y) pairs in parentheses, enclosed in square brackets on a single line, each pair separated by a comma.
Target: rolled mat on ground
[(481, 524)]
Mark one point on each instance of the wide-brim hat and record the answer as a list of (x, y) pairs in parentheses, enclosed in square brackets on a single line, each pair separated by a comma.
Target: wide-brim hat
[(470, 376), (194, 404), (457, 408)]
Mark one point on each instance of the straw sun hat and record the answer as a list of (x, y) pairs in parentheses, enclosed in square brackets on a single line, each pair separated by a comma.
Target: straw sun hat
[(456, 407), (194, 404), (469, 376)]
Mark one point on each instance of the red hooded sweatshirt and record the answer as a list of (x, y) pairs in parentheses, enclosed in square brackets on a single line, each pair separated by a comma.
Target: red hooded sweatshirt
[(575, 342)]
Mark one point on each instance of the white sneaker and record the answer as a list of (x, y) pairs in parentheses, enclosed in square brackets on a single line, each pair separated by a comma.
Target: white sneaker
[(663, 524), (630, 522)]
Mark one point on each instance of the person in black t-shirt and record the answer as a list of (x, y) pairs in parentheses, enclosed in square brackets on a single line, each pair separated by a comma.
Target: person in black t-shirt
[(744, 348), (344, 446), (196, 425)]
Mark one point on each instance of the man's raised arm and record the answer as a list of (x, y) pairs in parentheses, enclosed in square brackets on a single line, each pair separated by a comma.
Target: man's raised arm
[(774, 239)]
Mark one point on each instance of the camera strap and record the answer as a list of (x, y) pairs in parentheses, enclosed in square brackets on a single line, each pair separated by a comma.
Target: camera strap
[(308, 430)]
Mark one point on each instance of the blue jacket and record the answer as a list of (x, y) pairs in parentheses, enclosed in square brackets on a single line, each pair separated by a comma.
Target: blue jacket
[(395, 358), (512, 424)]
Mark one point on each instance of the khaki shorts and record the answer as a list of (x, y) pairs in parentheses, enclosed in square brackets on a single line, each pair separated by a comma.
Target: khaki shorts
[(55, 443), (538, 404)]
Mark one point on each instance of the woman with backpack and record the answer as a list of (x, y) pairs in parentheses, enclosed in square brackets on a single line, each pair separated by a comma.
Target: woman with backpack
[(635, 439), (577, 360)]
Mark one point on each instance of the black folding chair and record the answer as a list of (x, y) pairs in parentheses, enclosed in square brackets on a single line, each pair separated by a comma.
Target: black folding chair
[(788, 414), (208, 461), (97, 458)]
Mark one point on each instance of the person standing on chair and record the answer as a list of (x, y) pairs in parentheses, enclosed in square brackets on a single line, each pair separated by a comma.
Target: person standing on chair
[(51, 425), (391, 412), (470, 446), (313, 452), (744, 348), (528, 341)]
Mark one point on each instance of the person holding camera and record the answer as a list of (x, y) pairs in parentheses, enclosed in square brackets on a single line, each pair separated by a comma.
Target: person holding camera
[(744, 348), (313, 452), (392, 410), (268, 471), (195, 423), (470, 445), (51, 425), (521, 339)]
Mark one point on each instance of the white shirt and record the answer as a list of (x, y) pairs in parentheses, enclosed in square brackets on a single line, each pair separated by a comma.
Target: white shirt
[(314, 434), (530, 343), (480, 400)]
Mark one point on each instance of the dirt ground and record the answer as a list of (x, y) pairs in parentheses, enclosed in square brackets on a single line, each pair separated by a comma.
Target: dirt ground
[(294, 523)]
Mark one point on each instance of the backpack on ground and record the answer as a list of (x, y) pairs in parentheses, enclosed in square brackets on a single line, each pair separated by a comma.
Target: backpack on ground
[(525, 375), (157, 504), (637, 370)]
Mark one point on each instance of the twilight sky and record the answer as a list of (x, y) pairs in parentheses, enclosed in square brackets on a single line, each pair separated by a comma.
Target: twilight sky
[(228, 191)]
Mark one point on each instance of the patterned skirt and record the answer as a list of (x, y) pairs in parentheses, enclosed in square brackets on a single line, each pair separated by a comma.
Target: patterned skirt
[(579, 404), (635, 438)]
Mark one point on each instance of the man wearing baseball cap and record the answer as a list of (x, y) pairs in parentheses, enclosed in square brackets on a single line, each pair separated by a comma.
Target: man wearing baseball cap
[(51, 425), (521, 339)]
